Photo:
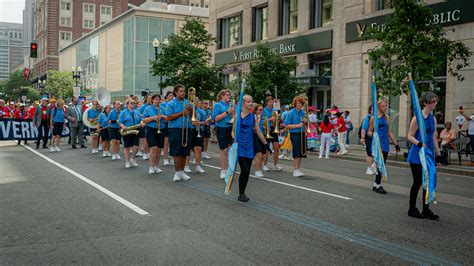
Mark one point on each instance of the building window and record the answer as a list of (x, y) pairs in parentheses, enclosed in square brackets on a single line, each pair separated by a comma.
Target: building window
[(382, 4), (65, 36), (89, 8), (321, 13), (65, 22), (195, 3), (65, 5), (106, 10), (230, 31), (206, 3), (88, 24), (260, 24), (288, 17)]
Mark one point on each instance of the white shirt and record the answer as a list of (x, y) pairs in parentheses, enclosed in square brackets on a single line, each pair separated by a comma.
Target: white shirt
[(460, 120)]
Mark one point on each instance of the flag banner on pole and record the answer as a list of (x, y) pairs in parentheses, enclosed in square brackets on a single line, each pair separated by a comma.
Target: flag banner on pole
[(233, 157), (376, 147), (427, 158), (16, 129)]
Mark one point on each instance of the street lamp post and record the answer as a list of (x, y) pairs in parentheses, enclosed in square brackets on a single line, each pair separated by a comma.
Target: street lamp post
[(157, 44), (76, 75)]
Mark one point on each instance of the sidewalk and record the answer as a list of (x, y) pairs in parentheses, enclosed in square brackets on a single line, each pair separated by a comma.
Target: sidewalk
[(357, 153)]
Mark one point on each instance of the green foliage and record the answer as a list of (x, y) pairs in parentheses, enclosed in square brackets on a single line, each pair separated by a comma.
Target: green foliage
[(410, 44), (59, 84), (185, 60), (14, 87), (269, 71), (32, 93)]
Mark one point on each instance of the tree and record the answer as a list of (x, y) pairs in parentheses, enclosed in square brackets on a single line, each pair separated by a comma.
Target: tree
[(59, 84), (185, 60), (271, 71), (410, 43), (15, 86), (32, 93)]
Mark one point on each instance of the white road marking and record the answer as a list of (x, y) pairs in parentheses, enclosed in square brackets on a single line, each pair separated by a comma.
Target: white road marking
[(109, 193), (290, 185)]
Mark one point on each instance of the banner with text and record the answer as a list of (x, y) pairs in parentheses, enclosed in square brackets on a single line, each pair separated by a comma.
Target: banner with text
[(15, 129)]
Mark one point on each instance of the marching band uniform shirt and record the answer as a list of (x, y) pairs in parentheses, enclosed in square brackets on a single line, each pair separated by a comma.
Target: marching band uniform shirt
[(143, 107), (173, 107), (268, 113), (219, 108), (413, 154), (58, 115), (245, 137), (153, 111), (294, 117), (103, 120), (129, 118), (113, 115), (93, 113), (383, 132)]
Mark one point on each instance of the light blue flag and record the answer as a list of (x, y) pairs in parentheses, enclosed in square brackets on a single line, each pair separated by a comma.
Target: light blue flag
[(376, 147), (427, 160), (232, 154)]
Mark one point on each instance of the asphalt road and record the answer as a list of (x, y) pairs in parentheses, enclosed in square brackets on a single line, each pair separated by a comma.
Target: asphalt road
[(75, 207)]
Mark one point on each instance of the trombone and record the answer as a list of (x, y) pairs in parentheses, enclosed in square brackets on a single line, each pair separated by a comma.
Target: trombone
[(198, 126), (185, 124), (158, 120), (305, 124)]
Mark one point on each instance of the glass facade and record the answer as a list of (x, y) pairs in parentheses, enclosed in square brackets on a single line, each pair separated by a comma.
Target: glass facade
[(87, 57)]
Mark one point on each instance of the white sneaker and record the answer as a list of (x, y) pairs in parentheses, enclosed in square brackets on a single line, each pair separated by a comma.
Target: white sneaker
[(193, 161), (187, 169), (277, 168), (344, 152), (205, 155), (104, 154), (151, 171), (162, 153), (114, 157), (166, 162), (139, 154), (52, 149), (320, 157), (258, 174), (327, 157), (172, 162), (118, 157), (145, 156), (133, 162), (199, 169), (100, 147), (185, 176), (369, 171), (57, 148), (94, 151), (222, 176), (265, 168), (127, 164), (157, 169), (347, 145), (297, 173), (281, 156), (109, 154), (176, 177)]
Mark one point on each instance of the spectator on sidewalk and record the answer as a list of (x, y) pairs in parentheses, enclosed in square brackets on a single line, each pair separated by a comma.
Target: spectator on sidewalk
[(327, 130), (347, 120), (447, 136), (470, 132), (341, 134)]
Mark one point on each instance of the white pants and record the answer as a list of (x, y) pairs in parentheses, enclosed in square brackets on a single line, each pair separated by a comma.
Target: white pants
[(341, 139), (325, 143)]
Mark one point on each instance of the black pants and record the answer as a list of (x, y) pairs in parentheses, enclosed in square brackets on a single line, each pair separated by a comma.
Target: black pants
[(417, 173), (471, 138), (378, 177), (43, 127), (245, 165)]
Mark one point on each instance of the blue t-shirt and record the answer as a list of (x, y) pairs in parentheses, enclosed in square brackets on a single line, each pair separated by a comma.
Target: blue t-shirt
[(284, 114), (129, 118), (93, 113), (153, 111), (201, 117), (103, 120), (219, 108), (366, 122), (173, 107), (113, 115), (383, 133), (142, 109), (245, 137), (413, 154), (164, 104), (58, 115), (268, 113), (294, 117)]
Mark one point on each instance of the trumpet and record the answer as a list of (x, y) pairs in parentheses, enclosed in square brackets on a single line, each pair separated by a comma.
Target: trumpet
[(185, 125), (158, 121), (131, 130)]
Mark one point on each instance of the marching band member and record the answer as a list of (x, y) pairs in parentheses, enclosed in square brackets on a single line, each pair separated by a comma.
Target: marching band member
[(166, 161), (207, 128), (198, 140), (57, 124), (114, 133), (93, 116), (268, 112), (222, 114), (178, 114), (295, 124), (102, 125), (258, 145), (156, 111), (129, 117), (141, 136)]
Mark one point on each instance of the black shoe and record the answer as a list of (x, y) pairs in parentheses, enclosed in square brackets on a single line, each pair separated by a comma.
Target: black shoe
[(45, 147), (374, 188), (430, 215), (380, 190), (37, 146), (243, 198), (415, 213), (74, 147), (83, 146)]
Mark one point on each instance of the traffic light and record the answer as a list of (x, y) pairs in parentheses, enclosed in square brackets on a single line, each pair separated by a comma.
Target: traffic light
[(34, 50)]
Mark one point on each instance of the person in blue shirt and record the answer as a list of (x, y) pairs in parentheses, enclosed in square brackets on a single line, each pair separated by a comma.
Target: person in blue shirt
[(198, 138), (428, 102), (166, 160), (129, 117), (295, 123), (102, 125), (143, 149), (366, 140), (269, 112), (156, 141), (114, 133), (93, 115), (248, 130), (207, 128), (384, 134), (57, 123), (178, 113), (222, 114)]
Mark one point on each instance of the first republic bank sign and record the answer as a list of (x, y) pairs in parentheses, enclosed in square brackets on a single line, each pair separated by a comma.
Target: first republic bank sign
[(450, 12)]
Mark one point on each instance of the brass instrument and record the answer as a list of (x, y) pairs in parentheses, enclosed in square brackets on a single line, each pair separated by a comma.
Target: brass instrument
[(306, 115), (232, 104), (266, 127), (185, 125), (303, 131), (158, 121), (277, 127), (198, 126), (192, 99), (131, 130)]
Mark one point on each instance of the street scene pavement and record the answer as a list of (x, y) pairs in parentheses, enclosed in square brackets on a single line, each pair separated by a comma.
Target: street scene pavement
[(75, 207)]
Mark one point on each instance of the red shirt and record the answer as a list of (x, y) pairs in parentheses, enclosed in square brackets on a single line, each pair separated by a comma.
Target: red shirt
[(6, 112), (340, 121), (21, 115), (31, 111), (326, 129), (44, 112)]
